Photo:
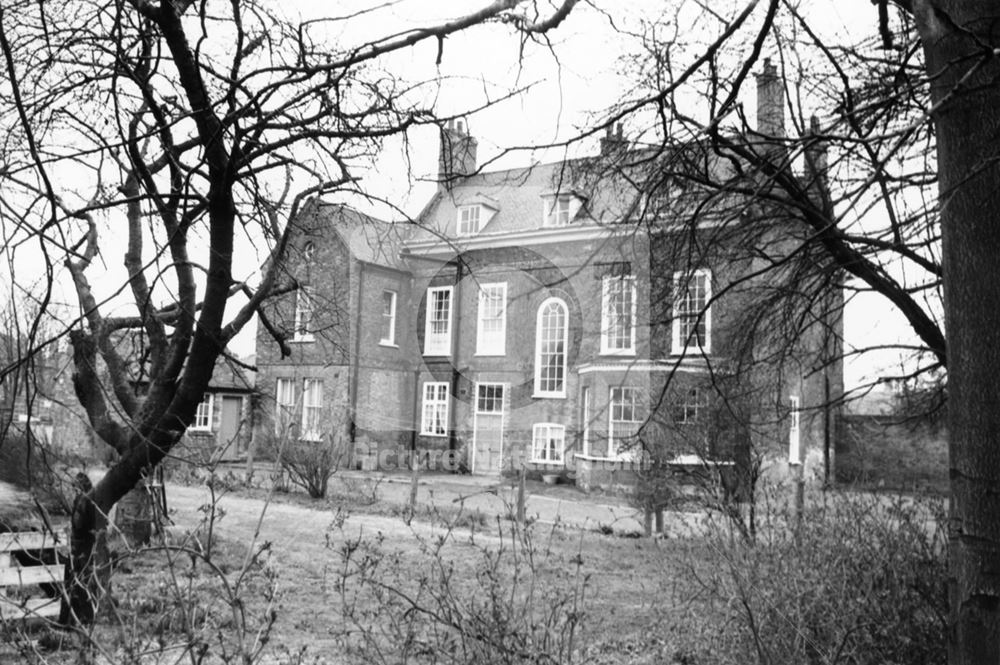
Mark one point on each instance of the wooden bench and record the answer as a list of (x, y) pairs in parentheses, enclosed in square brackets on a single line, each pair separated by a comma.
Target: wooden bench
[(24, 568)]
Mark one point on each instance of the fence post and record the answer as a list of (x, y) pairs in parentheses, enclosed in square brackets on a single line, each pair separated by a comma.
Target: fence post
[(520, 496), (414, 478)]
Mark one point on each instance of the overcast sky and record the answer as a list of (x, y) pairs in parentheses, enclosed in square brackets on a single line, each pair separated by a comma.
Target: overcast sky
[(566, 87)]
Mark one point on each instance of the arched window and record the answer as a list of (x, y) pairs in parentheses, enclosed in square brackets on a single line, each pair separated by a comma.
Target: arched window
[(308, 253), (551, 337)]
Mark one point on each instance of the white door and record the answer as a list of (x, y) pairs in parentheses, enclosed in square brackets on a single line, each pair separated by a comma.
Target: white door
[(487, 431)]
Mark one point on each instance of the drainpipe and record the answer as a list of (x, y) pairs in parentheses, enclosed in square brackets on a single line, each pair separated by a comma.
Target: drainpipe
[(356, 361), (416, 415), (455, 346)]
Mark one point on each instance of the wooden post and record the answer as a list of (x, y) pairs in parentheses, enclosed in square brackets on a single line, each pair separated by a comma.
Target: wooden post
[(521, 497), (414, 478)]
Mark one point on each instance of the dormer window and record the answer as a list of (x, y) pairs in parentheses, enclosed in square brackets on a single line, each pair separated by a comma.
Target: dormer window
[(559, 210), (469, 218)]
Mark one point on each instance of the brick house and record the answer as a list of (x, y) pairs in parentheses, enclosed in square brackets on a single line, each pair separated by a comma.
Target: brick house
[(533, 317), (223, 424)]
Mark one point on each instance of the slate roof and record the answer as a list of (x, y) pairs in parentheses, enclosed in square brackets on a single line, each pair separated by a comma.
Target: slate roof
[(367, 238), (518, 196)]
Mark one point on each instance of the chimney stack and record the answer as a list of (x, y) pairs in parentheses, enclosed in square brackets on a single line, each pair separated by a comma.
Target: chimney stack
[(457, 158), (816, 159), (613, 144), (770, 102)]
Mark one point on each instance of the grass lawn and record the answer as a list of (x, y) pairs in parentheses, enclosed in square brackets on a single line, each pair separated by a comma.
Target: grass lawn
[(629, 599)]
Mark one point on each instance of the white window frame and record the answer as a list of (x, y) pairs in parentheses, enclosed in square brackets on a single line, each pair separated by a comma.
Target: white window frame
[(794, 430), (391, 316), (544, 454), (682, 343), (438, 344), (608, 321), (561, 392), (693, 402), (492, 343), (470, 220), (284, 411), (312, 410), (585, 428), (203, 415), (557, 210), (434, 408), (613, 452), (304, 306)]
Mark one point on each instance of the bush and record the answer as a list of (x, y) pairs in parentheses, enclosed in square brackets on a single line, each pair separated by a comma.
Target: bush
[(461, 599), (308, 464), (858, 580)]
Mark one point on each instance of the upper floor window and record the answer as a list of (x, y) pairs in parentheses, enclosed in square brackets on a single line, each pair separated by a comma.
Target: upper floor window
[(551, 338), (618, 308), (692, 320), (203, 416), (491, 329), (558, 210), (437, 326), (303, 315), (434, 420), (284, 398), (794, 448), (388, 323), (469, 218), (312, 409), (623, 421), (548, 443)]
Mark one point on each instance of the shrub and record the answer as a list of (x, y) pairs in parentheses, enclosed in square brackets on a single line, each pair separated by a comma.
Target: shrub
[(308, 464), (858, 580), (461, 599)]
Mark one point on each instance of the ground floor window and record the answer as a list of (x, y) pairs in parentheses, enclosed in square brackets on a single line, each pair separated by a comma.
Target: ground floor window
[(284, 398), (312, 409), (203, 416), (548, 443), (623, 422), (435, 409)]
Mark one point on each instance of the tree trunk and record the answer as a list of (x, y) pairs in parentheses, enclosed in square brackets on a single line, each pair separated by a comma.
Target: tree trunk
[(960, 41), (87, 573)]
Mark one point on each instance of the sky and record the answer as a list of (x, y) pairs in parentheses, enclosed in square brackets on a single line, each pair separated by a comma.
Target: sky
[(567, 83), (567, 87)]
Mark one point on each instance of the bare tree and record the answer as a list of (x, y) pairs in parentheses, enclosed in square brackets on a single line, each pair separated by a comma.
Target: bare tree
[(176, 126), (876, 123)]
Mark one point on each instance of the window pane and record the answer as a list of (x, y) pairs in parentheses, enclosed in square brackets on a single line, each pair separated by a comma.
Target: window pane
[(492, 319), (551, 351), (691, 310), (548, 443), (312, 408), (434, 412), (489, 398), (303, 313), (618, 313), (624, 421), (388, 331)]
